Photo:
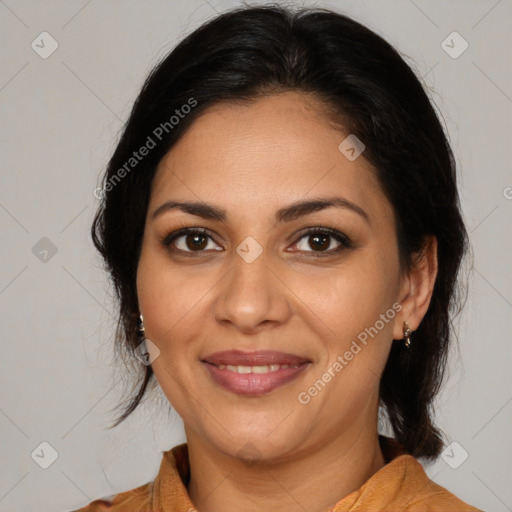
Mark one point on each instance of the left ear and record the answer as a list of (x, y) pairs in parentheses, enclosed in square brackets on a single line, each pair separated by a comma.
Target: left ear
[(417, 287)]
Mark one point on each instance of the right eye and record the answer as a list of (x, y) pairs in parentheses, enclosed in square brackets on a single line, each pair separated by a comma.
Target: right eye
[(189, 240)]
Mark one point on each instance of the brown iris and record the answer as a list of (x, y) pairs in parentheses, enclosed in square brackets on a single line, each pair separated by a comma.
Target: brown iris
[(198, 241), (320, 242)]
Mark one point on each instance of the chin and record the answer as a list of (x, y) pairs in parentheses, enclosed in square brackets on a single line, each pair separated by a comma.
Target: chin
[(257, 447)]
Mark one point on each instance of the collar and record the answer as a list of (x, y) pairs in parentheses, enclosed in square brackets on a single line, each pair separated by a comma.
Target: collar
[(401, 484)]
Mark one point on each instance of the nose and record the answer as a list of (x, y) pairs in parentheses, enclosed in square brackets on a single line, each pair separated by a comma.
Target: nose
[(252, 297)]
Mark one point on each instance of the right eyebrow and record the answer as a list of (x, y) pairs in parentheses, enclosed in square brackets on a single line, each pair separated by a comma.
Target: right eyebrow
[(204, 210)]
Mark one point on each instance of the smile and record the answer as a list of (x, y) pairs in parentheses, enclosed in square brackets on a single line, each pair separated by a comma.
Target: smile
[(255, 369), (253, 373)]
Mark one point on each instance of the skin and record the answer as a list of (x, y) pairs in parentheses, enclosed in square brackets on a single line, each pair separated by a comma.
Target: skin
[(252, 160)]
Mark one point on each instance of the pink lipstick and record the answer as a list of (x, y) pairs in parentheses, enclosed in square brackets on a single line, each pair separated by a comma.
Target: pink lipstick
[(254, 373)]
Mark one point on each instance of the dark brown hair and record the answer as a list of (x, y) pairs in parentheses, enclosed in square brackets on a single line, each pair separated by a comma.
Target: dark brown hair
[(251, 51)]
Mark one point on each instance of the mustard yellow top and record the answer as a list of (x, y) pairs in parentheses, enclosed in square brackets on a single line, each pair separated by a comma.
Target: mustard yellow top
[(401, 485)]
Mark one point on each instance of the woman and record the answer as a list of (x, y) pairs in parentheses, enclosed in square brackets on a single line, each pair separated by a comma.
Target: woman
[(281, 222)]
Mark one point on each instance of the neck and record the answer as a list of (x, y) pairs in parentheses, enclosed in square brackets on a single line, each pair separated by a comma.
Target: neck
[(314, 481)]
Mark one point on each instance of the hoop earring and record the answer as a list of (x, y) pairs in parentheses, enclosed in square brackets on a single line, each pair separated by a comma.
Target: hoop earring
[(407, 335), (141, 329)]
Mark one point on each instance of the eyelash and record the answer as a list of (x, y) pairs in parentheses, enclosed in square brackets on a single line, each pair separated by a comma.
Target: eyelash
[(344, 241)]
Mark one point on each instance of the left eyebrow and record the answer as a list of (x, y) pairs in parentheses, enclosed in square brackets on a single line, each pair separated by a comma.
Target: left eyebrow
[(286, 214), (301, 208)]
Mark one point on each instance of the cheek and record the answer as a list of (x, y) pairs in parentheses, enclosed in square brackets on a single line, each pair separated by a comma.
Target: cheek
[(355, 304), (356, 307), (351, 298), (171, 303), (170, 296)]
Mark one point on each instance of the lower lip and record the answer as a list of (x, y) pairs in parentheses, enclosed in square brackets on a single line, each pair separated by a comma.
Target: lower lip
[(253, 383)]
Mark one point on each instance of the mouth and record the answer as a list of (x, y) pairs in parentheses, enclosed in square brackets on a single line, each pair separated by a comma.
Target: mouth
[(254, 373)]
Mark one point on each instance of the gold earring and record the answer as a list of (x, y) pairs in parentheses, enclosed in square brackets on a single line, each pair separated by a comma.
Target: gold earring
[(407, 335)]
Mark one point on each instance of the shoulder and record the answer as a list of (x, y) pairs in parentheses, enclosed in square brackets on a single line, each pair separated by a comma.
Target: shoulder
[(438, 499), (402, 485), (408, 487), (425, 495), (135, 500), (166, 492)]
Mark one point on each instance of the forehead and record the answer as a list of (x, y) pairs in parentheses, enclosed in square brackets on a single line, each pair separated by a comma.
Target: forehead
[(270, 151)]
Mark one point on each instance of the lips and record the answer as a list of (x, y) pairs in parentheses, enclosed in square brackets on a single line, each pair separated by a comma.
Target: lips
[(254, 373), (259, 358)]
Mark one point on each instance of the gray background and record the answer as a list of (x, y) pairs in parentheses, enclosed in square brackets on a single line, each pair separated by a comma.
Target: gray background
[(61, 117)]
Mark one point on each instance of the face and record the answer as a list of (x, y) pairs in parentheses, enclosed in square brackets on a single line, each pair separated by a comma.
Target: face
[(273, 319)]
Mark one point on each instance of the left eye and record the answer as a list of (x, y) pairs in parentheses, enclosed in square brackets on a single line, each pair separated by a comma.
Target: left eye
[(322, 241)]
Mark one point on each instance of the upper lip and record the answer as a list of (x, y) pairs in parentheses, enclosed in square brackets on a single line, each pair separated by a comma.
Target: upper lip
[(256, 358)]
